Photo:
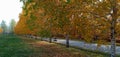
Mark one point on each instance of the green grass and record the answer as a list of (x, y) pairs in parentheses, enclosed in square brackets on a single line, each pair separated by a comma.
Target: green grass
[(14, 46)]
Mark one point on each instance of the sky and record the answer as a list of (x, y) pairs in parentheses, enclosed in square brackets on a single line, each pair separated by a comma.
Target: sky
[(10, 9)]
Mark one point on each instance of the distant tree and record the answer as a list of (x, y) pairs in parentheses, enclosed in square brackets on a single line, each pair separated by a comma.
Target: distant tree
[(0, 30), (12, 25), (3, 26)]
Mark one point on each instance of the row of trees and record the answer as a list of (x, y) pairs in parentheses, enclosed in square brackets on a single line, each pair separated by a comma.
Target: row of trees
[(81, 19), (4, 28)]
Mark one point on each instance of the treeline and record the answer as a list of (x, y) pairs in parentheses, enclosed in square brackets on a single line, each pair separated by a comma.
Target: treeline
[(77, 19), (5, 29)]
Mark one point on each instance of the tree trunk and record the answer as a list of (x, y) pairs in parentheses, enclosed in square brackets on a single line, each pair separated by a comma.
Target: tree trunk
[(50, 40), (113, 41), (67, 41), (41, 39), (113, 23)]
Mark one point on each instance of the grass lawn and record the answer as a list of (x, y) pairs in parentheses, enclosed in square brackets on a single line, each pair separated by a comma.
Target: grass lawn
[(14, 46)]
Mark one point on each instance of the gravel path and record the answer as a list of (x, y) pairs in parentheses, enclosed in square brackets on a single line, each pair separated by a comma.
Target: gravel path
[(84, 45)]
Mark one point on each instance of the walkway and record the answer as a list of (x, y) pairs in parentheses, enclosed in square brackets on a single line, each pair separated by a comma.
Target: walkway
[(84, 45)]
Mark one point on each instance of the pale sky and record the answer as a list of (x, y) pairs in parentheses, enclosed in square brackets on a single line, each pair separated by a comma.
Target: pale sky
[(10, 9)]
